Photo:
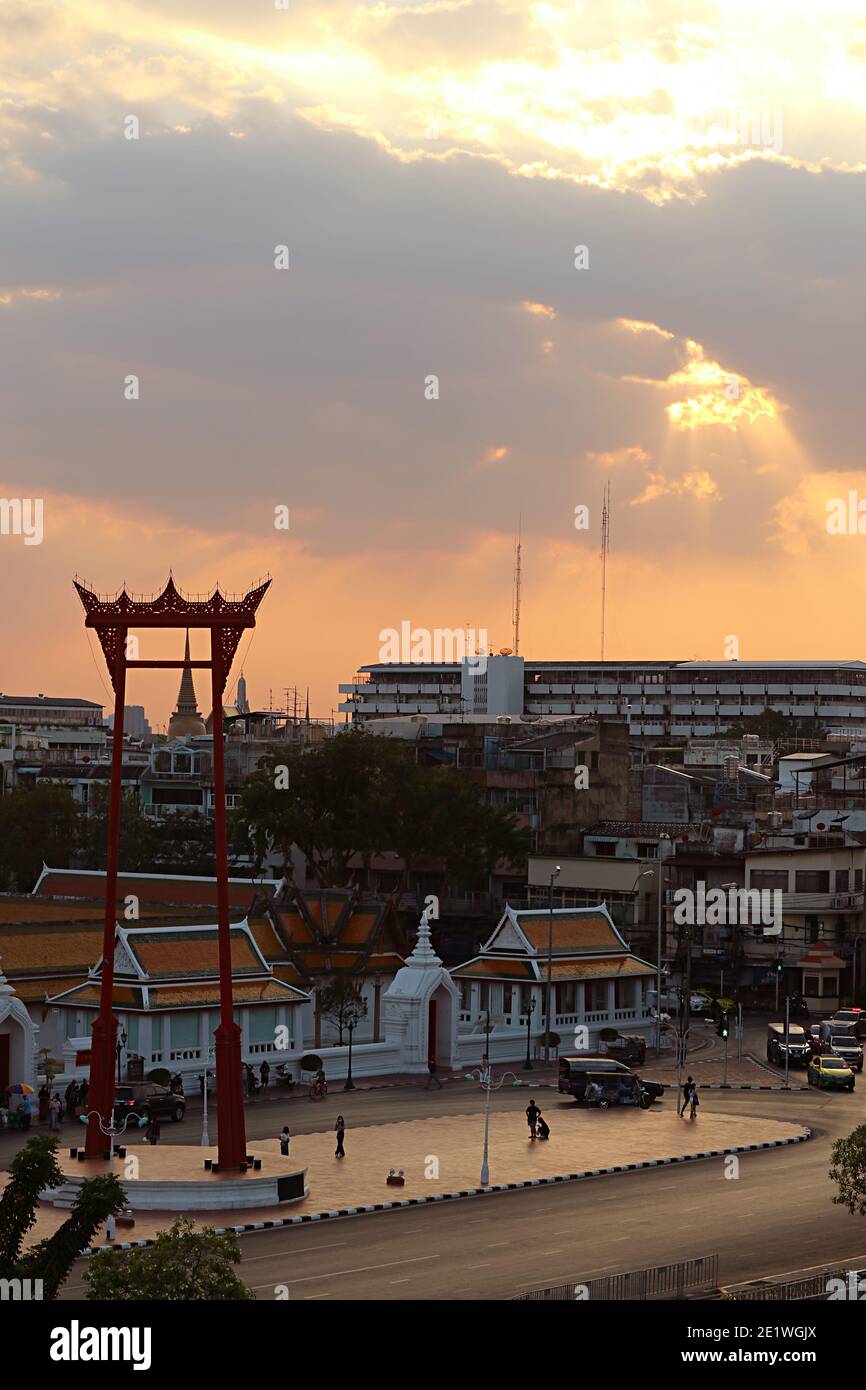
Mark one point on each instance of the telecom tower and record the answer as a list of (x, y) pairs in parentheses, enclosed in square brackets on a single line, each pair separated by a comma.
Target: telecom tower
[(605, 549), (516, 620)]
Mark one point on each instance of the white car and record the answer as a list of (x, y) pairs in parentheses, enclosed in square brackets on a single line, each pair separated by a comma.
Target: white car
[(697, 1003)]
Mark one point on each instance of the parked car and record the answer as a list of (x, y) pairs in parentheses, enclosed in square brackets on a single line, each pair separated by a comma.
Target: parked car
[(575, 1074), (830, 1073), (148, 1098), (796, 1046)]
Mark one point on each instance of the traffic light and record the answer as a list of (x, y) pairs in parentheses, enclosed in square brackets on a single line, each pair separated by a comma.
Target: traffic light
[(778, 967), (722, 1026)]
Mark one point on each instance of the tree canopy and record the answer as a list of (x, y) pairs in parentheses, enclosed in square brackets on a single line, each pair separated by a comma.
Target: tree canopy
[(183, 1264), (359, 794)]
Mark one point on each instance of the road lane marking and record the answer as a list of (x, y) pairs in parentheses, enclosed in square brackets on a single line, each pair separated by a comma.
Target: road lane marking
[(300, 1250), (360, 1269)]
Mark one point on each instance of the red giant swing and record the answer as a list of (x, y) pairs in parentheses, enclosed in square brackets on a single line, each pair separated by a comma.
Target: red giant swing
[(225, 618)]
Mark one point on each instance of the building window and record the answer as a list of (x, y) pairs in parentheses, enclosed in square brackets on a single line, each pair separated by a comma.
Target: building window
[(858, 880), (812, 985), (262, 1025), (465, 995), (812, 881), (507, 999), (132, 1022), (647, 851), (840, 881), (596, 996), (484, 997), (184, 1031), (565, 998), (769, 879), (605, 848)]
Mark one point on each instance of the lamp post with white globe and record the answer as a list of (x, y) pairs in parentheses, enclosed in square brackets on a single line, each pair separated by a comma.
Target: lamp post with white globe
[(484, 1075)]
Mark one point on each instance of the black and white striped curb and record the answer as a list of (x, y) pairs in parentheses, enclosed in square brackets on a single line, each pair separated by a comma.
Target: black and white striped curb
[(318, 1216), (744, 1086)]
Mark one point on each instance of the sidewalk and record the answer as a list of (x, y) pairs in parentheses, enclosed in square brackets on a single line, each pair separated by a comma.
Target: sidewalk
[(441, 1158)]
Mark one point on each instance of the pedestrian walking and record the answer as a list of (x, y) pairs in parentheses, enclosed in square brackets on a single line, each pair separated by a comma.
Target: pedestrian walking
[(432, 1078), (532, 1114), (26, 1111), (44, 1098), (340, 1127), (55, 1110), (689, 1090), (284, 1141), (153, 1131), (265, 1073), (71, 1097), (245, 1077)]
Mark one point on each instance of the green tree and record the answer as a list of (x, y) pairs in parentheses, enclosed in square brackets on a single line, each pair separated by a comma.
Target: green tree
[(848, 1171), (334, 801), (361, 794), (183, 1264), (342, 1003), (34, 1168), (37, 825)]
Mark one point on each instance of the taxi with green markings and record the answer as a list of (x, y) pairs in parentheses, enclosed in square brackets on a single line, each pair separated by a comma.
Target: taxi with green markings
[(830, 1073)]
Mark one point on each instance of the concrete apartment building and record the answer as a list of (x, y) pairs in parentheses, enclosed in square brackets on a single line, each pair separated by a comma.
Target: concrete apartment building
[(657, 699)]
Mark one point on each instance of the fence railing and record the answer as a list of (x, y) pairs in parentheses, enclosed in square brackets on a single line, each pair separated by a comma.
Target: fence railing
[(810, 1286), (658, 1281)]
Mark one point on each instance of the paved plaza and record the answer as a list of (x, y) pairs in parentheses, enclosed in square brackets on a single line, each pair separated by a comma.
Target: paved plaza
[(443, 1155)]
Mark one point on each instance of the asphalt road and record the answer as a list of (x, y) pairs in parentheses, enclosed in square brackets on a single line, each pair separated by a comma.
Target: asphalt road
[(775, 1217)]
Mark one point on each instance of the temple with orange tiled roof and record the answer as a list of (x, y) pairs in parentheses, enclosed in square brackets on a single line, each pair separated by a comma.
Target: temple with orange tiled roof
[(596, 981)]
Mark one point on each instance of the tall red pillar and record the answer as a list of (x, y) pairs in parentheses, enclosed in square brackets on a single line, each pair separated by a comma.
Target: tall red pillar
[(100, 1093), (229, 1082), (226, 618)]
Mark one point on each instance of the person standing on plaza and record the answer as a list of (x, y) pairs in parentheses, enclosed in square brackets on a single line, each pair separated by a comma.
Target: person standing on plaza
[(55, 1110), (340, 1127), (26, 1111), (266, 1074), (689, 1090), (153, 1131), (44, 1098), (284, 1141), (432, 1078), (71, 1095), (532, 1114), (83, 1092)]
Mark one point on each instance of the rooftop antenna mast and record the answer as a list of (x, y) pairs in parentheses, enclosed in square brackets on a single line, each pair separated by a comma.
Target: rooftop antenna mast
[(516, 622), (605, 550)]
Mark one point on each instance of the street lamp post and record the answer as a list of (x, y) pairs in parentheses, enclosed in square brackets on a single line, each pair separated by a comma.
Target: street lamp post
[(205, 1138), (112, 1128), (663, 836), (350, 1085), (485, 1076), (553, 877), (121, 1044), (530, 1009)]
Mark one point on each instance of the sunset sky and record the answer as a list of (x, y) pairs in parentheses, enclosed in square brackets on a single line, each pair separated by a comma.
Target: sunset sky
[(432, 168)]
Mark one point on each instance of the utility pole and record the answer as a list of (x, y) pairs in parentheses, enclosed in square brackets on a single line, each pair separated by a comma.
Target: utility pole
[(787, 1034)]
